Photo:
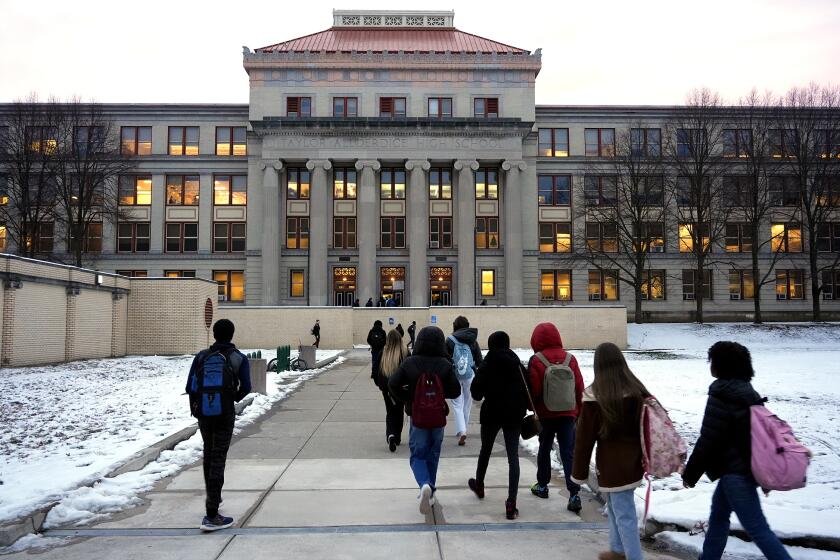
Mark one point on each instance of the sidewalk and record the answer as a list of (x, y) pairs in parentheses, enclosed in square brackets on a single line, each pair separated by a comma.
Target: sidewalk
[(315, 479)]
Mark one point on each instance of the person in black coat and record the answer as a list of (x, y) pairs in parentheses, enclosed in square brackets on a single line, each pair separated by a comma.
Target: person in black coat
[(723, 453), (399, 329), (376, 340), (412, 328), (500, 382), (369, 302)]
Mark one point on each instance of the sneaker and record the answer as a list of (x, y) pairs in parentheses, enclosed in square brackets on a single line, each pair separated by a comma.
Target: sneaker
[(462, 440), (510, 509), (392, 443), (215, 523), (426, 501), (574, 504), (539, 491), (476, 487)]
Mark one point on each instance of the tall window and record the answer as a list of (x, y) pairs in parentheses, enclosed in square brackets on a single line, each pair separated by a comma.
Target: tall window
[(653, 285), (645, 142), (231, 141), (736, 142), (392, 184), (344, 184), (297, 233), (738, 238), (298, 107), (133, 237), (555, 237), (183, 140), (486, 107), (689, 291), (297, 183), (4, 188), (392, 233), (784, 190), (136, 140), (440, 107), (487, 232), (741, 285), (602, 237), (556, 285), (345, 106), (181, 237), (392, 107), (488, 282), (3, 235), (828, 237), (554, 142), (486, 184), (230, 190), (182, 190), (786, 238), (440, 184), (135, 190), (600, 190), (297, 284), (831, 284), (231, 285), (599, 142), (783, 143), (652, 237), (91, 242), (229, 237), (344, 233), (687, 236), (789, 284), (554, 190), (440, 233), (603, 285), (690, 141)]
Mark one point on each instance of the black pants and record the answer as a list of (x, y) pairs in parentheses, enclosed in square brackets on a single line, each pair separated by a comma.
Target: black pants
[(393, 417), (488, 438), (216, 433), (317, 342), (563, 430)]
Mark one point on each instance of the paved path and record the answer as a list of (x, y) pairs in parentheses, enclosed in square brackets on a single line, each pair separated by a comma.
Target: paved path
[(315, 479)]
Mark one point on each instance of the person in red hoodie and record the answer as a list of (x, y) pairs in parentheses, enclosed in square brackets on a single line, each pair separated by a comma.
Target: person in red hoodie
[(556, 424)]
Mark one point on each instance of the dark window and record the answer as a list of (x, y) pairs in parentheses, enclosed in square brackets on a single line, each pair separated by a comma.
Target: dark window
[(737, 191), (229, 237), (298, 107), (555, 237), (231, 285), (440, 107), (652, 237), (486, 184), (486, 107), (741, 285), (392, 233), (554, 142), (599, 142), (828, 237), (690, 142), (132, 273), (689, 291), (344, 233), (645, 142), (344, 184), (136, 140), (603, 285), (602, 237), (554, 190), (789, 284), (297, 183), (133, 237), (92, 242), (345, 106), (181, 237), (392, 107), (297, 233), (556, 285), (182, 190), (738, 238), (784, 143), (486, 232), (831, 284), (41, 240), (784, 190), (651, 191), (231, 141), (440, 233), (828, 143), (440, 184), (135, 190), (600, 190), (230, 190), (183, 140), (179, 273), (736, 142), (88, 140), (392, 184)]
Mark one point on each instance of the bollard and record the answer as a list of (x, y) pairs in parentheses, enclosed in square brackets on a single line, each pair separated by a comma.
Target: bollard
[(258, 367)]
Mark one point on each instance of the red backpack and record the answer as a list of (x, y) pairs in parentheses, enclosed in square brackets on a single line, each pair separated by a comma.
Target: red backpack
[(428, 410)]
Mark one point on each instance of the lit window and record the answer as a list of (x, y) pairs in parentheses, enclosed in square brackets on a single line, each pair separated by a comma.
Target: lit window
[(486, 184), (603, 285), (486, 232), (296, 283), (297, 183), (392, 184), (440, 184), (179, 273), (42, 139), (135, 190), (553, 142), (555, 237), (136, 140), (231, 285), (653, 285), (651, 238), (344, 184), (297, 233), (230, 190), (183, 140), (741, 285), (488, 283), (786, 238), (231, 141), (3, 235), (182, 190), (687, 235), (789, 284), (556, 285)]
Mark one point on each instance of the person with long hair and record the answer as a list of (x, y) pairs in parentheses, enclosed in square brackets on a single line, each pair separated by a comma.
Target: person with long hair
[(612, 408), (392, 356)]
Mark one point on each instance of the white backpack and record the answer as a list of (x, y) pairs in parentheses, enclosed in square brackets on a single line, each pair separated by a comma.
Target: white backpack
[(558, 385)]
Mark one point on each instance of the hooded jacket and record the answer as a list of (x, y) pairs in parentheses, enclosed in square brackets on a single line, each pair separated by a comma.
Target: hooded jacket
[(500, 381), (546, 339), (724, 445), (429, 357), (376, 339), (468, 336)]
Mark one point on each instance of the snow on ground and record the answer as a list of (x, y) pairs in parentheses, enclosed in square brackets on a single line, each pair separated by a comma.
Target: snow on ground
[(736, 548), (797, 366), (68, 425)]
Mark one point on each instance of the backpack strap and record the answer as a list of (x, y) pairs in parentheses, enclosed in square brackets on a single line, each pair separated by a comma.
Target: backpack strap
[(542, 358), (452, 339), (568, 359), (234, 358)]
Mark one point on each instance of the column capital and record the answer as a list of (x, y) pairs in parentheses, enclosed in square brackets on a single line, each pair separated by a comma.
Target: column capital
[(509, 164), (273, 163), (372, 163), (463, 163), (325, 164), (421, 163)]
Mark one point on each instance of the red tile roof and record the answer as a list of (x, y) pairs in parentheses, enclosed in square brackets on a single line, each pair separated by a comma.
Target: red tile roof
[(378, 39)]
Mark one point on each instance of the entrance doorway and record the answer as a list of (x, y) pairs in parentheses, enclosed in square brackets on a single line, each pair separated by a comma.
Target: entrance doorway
[(440, 283), (344, 286), (392, 284)]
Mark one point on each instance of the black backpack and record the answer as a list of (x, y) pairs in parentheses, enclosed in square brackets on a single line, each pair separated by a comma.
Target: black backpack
[(214, 383)]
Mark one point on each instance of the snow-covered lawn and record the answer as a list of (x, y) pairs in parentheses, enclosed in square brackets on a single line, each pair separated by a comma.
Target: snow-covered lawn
[(797, 368), (68, 425)]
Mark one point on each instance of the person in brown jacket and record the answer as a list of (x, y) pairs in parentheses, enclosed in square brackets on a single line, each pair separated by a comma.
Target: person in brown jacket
[(612, 407)]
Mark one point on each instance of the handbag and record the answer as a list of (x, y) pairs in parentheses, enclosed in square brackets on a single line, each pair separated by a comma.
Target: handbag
[(530, 425)]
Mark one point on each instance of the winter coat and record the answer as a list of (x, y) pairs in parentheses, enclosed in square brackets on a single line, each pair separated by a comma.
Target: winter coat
[(470, 338), (399, 329), (724, 445), (618, 458), (411, 330), (376, 339), (429, 357), (316, 330), (244, 374), (500, 381), (546, 339)]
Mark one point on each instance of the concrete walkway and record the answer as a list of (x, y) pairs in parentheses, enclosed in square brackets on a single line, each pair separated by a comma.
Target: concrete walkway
[(315, 479)]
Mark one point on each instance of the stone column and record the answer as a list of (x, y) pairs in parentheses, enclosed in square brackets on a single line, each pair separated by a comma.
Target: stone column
[(513, 232), (317, 280), (367, 226), (418, 232), (271, 237), (466, 230)]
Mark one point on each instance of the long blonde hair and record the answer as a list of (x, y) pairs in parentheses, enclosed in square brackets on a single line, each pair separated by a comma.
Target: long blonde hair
[(393, 354)]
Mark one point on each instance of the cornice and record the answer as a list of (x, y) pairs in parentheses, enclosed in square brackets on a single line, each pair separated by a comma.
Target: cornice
[(329, 127)]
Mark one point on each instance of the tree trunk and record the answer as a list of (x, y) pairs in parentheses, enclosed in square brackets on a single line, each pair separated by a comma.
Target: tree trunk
[(815, 286), (756, 287), (638, 311)]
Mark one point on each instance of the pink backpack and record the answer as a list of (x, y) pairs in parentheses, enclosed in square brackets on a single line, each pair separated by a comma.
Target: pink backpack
[(663, 450), (779, 460)]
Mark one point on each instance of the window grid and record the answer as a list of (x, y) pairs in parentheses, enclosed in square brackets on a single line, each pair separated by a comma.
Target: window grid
[(789, 284), (556, 285), (488, 282), (786, 238), (440, 107), (391, 107), (392, 184), (736, 142), (344, 233), (553, 142), (344, 184), (135, 190), (298, 107), (599, 142), (297, 183), (345, 106), (136, 140), (392, 233), (440, 184), (486, 184), (653, 285), (231, 285), (741, 285), (689, 288), (229, 237), (133, 237), (440, 233), (182, 190), (181, 237), (231, 141), (737, 238), (645, 142), (230, 190), (183, 140), (554, 190), (555, 237), (487, 232), (297, 233), (297, 283), (486, 107), (603, 285), (602, 237), (600, 190)]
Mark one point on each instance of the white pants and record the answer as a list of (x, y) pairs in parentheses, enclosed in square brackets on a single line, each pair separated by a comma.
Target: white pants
[(462, 406)]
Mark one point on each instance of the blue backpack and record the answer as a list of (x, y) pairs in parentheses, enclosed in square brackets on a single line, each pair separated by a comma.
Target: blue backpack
[(462, 358), (214, 384)]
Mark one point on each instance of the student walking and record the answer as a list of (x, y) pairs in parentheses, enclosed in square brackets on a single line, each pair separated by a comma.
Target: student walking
[(723, 452), (316, 332), (219, 376), (422, 383), (412, 328), (376, 339), (610, 417), (557, 389), (500, 381), (462, 348), (392, 356)]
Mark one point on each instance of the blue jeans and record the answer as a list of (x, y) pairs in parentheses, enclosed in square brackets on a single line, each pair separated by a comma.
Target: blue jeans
[(739, 493), (425, 454), (563, 430), (624, 525)]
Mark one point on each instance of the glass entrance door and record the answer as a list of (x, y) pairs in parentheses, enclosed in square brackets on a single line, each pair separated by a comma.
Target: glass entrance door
[(344, 286), (392, 284), (440, 283)]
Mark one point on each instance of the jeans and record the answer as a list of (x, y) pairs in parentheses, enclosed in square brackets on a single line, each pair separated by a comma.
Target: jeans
[(562, 429), (216, 433), (425, 454), (488, 438), (462, 406), (393, 417), (739, 493), (624, 525)]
